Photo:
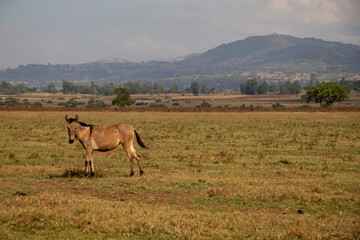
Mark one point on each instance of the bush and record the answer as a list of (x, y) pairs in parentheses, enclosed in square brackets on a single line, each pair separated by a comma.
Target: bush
[(140, 103), (26, 102), (37, 104), (11, 101), (204, 104), (154, 105), (277, 105), (95, 104), (71, 103)]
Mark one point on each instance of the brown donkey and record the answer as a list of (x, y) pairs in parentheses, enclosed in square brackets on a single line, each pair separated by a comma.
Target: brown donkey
[(106, 138)]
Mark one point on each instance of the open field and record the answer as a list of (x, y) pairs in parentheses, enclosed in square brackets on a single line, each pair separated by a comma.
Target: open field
[(207, 176), (221, 100)]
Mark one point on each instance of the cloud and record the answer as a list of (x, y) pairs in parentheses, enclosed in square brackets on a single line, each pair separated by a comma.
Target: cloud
[(141, 46), (151, 29), (222, 13), (141, 43), (177, 46), (229, 20)]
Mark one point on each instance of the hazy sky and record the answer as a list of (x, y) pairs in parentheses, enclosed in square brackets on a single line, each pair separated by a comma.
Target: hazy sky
[(80, 31)]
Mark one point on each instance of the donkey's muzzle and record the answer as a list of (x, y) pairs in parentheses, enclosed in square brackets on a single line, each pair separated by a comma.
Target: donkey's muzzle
[(71, 141)]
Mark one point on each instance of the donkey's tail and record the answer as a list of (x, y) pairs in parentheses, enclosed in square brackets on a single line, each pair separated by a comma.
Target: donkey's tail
[(139, 140)]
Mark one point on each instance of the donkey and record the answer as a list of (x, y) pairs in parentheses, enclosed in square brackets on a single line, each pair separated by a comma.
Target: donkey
[(104, 138)]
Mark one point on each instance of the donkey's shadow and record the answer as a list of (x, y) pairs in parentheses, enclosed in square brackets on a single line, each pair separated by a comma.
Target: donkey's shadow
[(75, 173)]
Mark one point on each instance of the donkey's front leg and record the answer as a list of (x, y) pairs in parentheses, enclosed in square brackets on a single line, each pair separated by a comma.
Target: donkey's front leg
[(92, 164), (87, 162), (86, 168)]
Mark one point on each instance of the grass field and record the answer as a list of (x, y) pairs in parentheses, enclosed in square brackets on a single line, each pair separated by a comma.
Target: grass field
[(207, 176)]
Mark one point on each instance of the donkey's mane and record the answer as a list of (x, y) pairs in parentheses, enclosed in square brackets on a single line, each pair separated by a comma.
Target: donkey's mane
[(81, 123), (85, 124)]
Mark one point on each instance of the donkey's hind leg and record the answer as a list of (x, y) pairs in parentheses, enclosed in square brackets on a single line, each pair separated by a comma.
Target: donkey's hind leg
[(138, 159), (131, 157), (131, 152)]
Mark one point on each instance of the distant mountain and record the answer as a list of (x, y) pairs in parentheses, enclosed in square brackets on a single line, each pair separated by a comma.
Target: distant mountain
[(222, 66), (259, 50)]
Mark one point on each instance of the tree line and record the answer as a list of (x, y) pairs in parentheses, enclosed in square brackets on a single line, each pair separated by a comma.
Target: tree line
[(253, 86), (133, 87), (7, 88), (249, 87), (69, 87)]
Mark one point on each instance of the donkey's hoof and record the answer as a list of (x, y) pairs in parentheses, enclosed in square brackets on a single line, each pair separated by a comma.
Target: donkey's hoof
[(131, 174), (92, 174), (141, 173)]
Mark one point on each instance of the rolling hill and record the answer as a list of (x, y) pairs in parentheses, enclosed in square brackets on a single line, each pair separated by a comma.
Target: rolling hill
[(260, 50), (273, 52)]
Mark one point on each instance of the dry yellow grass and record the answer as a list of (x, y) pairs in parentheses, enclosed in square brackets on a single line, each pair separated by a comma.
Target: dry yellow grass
[(207, 176)]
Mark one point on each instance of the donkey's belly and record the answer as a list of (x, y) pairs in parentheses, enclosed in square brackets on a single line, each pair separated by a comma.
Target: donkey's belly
[(103, 147)]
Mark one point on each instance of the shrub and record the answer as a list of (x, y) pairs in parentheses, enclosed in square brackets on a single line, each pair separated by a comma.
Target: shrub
[(154, 105), (140, 103), (37, 104), (277, 105), (11, 101), (205, 104), (95, 104)]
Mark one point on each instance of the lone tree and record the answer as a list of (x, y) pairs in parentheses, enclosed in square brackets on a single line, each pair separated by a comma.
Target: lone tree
[(51, 88), (326, 93), (123, 97), (195, 88)]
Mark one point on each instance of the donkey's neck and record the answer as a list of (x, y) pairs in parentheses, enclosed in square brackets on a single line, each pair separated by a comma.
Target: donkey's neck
[(84, 133)]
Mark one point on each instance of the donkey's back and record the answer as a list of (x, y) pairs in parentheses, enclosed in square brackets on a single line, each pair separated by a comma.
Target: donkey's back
[(105, 138)]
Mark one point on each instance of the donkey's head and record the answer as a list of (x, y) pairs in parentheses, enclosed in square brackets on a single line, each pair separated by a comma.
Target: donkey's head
[(72, 127)]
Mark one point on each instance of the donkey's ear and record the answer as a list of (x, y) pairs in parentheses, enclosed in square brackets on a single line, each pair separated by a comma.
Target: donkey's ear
[(76, 118), (67, 118)]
